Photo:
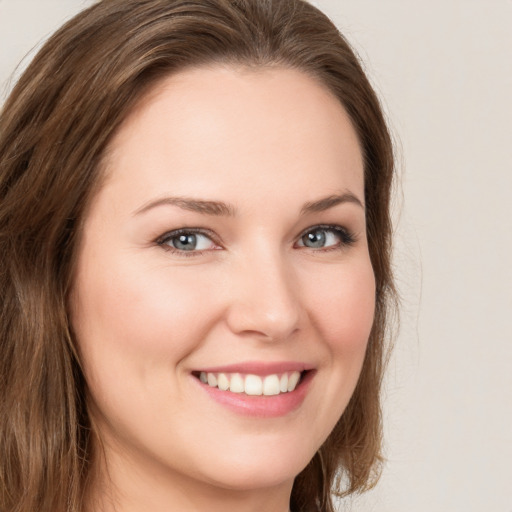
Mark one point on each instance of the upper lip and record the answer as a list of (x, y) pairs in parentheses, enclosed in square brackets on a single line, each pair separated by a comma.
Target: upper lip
[(259, 367)]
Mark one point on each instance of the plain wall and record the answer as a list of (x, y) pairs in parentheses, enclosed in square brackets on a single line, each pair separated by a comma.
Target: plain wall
[(444, 71)]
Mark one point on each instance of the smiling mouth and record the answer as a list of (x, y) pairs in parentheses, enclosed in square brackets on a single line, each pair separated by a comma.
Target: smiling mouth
[(252, 385)]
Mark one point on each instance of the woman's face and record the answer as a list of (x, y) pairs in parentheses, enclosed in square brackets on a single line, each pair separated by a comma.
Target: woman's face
[(227, 245)]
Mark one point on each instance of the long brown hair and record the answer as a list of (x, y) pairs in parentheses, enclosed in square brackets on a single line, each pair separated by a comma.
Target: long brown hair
[(54, 131)]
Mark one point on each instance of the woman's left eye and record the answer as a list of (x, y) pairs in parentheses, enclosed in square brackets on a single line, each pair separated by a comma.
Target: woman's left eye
[(325, 237), (187, 241)]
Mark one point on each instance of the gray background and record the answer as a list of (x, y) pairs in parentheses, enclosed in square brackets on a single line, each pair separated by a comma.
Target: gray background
[(444, 71)]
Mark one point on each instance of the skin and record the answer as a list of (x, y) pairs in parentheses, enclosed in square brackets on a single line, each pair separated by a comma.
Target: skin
[(266, 142)]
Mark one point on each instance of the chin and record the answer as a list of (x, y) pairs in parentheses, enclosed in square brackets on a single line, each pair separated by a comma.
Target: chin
[(261, 468)]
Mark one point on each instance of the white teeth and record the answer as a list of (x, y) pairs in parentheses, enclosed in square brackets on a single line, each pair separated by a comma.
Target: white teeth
[(222, 381), (254, 385), (237, 384), (293, 380), (283, 383), (271, 385), (212, 380)]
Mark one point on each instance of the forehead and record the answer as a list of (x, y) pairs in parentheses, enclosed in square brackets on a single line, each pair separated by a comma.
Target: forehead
[(206, 127)]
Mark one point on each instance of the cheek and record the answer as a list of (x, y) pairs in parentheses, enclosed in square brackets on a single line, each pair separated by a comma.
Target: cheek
[(344, 311), (129, 317)]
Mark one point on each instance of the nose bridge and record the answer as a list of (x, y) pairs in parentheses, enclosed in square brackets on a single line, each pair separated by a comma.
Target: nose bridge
[(266, 300)]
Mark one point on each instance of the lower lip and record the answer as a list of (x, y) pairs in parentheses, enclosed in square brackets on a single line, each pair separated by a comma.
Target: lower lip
[(261, 406)]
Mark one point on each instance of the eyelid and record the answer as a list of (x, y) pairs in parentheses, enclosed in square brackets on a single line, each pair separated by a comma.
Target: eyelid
[(163, 239), (347, 236)]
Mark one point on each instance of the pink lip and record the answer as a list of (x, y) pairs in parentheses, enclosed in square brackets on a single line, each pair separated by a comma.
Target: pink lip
[(259, 368), (259, 406)]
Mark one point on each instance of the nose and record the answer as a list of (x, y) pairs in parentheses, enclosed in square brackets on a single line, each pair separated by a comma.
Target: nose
[(265, 300)]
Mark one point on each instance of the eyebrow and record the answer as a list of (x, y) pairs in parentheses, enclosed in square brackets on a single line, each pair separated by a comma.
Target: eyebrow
[(194, 205), (330, 201), (219, 208)]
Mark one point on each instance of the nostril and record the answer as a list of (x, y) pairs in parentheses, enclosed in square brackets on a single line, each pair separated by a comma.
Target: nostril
[(255, 322)]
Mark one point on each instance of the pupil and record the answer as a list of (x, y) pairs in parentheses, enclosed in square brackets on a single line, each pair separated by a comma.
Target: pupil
[(185, 242), (315, 239)]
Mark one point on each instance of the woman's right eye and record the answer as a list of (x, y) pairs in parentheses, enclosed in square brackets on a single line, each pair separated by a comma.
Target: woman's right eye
[(187, 241)]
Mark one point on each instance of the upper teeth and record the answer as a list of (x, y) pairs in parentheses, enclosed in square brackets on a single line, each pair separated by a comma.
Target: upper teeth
[(252, 384)]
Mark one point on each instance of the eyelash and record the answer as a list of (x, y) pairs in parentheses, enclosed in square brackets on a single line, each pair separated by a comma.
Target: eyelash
[(164, 239), (347, 238)]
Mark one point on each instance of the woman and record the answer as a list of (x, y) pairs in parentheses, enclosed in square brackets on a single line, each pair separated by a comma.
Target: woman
[(195, 262)]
